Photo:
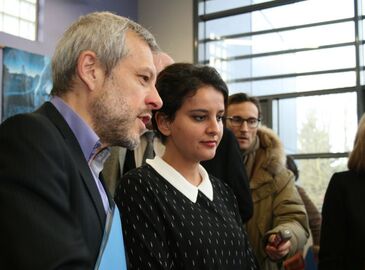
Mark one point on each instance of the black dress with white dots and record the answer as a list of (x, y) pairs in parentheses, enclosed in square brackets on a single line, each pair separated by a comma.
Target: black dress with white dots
[(163, 229)]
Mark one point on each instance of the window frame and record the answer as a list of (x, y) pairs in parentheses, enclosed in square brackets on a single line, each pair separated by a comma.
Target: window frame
[(22, 19), (269, 102)]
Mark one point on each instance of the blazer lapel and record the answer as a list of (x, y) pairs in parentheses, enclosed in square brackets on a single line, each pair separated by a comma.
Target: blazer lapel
[(51, 112), (107, 192)]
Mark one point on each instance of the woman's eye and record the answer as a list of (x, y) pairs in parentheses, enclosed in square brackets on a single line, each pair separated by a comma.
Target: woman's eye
[(199, 118), (220, 118)]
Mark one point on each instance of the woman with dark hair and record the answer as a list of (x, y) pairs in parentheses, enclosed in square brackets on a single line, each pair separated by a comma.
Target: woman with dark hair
[(343, 215), (175, 215)]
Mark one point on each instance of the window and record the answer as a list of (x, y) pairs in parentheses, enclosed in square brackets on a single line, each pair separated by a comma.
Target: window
[(19, 18), (304, 60)]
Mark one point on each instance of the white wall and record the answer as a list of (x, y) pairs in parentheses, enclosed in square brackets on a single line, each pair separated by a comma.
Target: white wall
[(171, 22)]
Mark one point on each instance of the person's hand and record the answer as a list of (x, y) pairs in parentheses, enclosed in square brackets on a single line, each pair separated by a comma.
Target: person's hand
[(279, 252)]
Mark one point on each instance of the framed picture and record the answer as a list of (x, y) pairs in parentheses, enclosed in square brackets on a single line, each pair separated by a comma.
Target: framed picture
[(26, 81)]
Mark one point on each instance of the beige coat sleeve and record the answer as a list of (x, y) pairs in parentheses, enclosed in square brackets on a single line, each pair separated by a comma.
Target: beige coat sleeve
[(289, 212)]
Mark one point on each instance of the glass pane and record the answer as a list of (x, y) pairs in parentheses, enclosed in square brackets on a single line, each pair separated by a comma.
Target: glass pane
[(315, 174), (303, 12), (27, 30), (11, 7), (27, 11), (11, 25), (201, 52), (230, 47), (211, 6), (313, 37), (297, 84), (307, 61), (19, 17), (318, 124), (201, 29), (362, 49), (237, 24), (300, 62), (362, 63)]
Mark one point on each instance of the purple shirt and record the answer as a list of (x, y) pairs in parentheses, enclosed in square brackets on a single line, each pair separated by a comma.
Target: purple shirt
[(89, 143)]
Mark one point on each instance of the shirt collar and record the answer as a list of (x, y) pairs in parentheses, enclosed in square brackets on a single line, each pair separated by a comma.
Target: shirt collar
[(180, 183), (85, 135)]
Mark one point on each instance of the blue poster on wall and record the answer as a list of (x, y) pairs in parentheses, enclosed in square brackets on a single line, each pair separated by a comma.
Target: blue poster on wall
[(27, 81)]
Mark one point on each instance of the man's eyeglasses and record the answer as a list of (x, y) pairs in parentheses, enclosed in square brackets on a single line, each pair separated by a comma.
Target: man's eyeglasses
[(237, 121)]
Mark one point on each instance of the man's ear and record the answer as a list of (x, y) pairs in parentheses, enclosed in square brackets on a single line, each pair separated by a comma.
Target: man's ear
[(163, 124), (88, 69)]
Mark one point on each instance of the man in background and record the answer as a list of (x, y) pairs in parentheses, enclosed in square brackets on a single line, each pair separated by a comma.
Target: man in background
[(277, 204)]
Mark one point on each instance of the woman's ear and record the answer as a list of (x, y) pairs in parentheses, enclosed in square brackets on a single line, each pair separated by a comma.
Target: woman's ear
[(163, 124)]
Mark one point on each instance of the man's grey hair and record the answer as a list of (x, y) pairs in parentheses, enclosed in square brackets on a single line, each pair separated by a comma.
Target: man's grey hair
[(101, 32)]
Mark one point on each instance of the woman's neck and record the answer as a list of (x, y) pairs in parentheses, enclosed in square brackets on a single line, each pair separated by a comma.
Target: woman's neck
[(188, 169)]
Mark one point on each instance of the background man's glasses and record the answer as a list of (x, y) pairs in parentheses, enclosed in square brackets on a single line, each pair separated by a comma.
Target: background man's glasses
[(237, 121)]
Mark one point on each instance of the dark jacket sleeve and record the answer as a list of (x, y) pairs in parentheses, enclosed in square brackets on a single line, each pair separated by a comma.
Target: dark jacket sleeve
[(38, 229), (333, 242), (227, 165)]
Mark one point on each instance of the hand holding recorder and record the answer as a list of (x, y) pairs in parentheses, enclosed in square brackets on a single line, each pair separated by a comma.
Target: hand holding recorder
[(278, 245), (281, 237)]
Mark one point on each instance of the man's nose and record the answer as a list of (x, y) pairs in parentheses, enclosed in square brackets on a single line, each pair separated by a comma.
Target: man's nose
[(154, 99), (244, 126)]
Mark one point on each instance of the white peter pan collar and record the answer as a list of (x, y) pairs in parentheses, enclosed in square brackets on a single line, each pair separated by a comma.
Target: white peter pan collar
[(180, 183)]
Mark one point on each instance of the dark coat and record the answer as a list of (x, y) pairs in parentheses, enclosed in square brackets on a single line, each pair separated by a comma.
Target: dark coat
[(227, 165), (343, 223), (53, 216)]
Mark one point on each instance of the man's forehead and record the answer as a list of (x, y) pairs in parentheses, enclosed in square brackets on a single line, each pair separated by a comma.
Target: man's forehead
[(138, 51), (243, 107)]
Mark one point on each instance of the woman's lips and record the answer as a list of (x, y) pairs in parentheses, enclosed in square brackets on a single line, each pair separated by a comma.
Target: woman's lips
[(210, 144)]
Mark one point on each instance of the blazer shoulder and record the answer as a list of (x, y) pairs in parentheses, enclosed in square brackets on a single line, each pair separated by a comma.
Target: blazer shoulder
[(27, 125), (347, 179)]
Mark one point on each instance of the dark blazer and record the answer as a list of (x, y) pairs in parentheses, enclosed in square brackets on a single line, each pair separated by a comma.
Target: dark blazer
[(342, 245), (227, 165), (52, 213)]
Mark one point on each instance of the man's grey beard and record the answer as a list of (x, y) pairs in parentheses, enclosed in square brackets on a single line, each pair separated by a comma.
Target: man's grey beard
[(111, 129), (128, 143), (116, 139)]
